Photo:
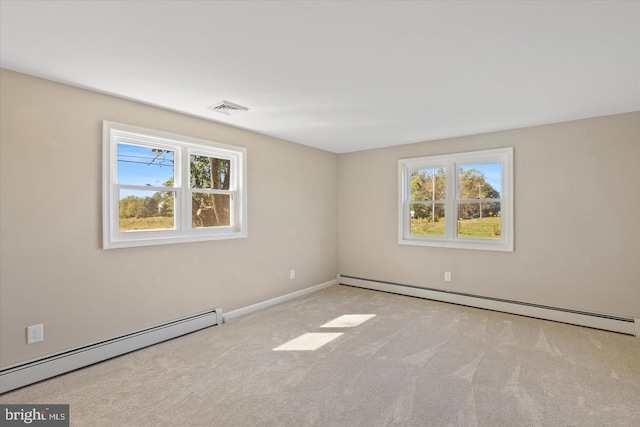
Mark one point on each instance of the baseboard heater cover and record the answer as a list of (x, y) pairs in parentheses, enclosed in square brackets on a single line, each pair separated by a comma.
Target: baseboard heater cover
[(625, 325), (31, 372)]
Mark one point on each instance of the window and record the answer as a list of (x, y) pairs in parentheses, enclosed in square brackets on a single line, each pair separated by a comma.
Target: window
[(160, 188), (462, 200)]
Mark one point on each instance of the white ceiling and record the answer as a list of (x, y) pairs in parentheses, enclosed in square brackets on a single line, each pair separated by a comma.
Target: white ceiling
[(342, 76)]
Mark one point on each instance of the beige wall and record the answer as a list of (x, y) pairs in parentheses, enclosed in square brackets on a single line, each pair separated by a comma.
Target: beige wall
[(53, 270), (577, 218), (577, 214)]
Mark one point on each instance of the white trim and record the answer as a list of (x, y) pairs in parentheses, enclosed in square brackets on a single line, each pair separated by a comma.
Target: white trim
[(450, 163), (40, 369), (277, 300), (183, 147), (592, 320)]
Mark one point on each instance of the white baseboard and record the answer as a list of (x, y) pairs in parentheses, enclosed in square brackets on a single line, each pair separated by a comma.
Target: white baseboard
[(625, 325), (37, 370), (278, 300)]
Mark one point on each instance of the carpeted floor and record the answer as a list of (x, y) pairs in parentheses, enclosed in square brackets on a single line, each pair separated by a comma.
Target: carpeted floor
[(415, 363)]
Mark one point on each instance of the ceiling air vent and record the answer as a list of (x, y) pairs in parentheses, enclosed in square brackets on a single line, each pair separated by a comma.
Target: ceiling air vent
[(228, 108)]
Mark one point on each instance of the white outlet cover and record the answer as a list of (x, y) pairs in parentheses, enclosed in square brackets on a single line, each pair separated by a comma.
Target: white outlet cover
[(35, 333)]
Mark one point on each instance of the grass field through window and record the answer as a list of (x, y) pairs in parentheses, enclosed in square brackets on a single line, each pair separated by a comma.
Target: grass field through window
[(150, 223), (487, 228)]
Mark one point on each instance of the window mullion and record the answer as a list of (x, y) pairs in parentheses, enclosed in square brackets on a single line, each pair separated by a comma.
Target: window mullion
[(145, 187), (450, 206), (185, 184), (213, 191)]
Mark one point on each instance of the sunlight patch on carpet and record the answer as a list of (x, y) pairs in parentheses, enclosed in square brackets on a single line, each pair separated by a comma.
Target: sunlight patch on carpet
[(348, 321), (308, 341)]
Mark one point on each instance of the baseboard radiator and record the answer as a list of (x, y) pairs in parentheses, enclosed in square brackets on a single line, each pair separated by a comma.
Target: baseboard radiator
[(47, 367), (625, 325)]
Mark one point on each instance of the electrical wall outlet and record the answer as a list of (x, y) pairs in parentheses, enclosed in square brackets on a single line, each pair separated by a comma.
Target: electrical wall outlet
[(35, 333), (292, 274), (447, 276)]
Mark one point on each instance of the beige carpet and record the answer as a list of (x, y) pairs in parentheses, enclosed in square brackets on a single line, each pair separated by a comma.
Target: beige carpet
[(416, 363)]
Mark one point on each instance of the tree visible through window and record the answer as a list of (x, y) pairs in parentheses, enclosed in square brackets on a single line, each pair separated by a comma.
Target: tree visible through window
[(146, 201), (163, 188), (427, 209), (478, 201), (210, 209), (460, 200)]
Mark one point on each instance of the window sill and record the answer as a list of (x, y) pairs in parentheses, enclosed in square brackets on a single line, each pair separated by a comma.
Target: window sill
[(132, 242), (473, 244)]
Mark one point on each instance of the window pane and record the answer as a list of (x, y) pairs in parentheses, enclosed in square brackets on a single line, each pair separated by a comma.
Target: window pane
[(481, 220), (210, 172), (210, 210), (427, 184), (427, 219), (146, 210), (145, 166), (480, 181)]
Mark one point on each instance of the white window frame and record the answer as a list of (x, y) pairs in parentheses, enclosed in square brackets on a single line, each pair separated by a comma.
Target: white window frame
[(450, 162), (183, 147)]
